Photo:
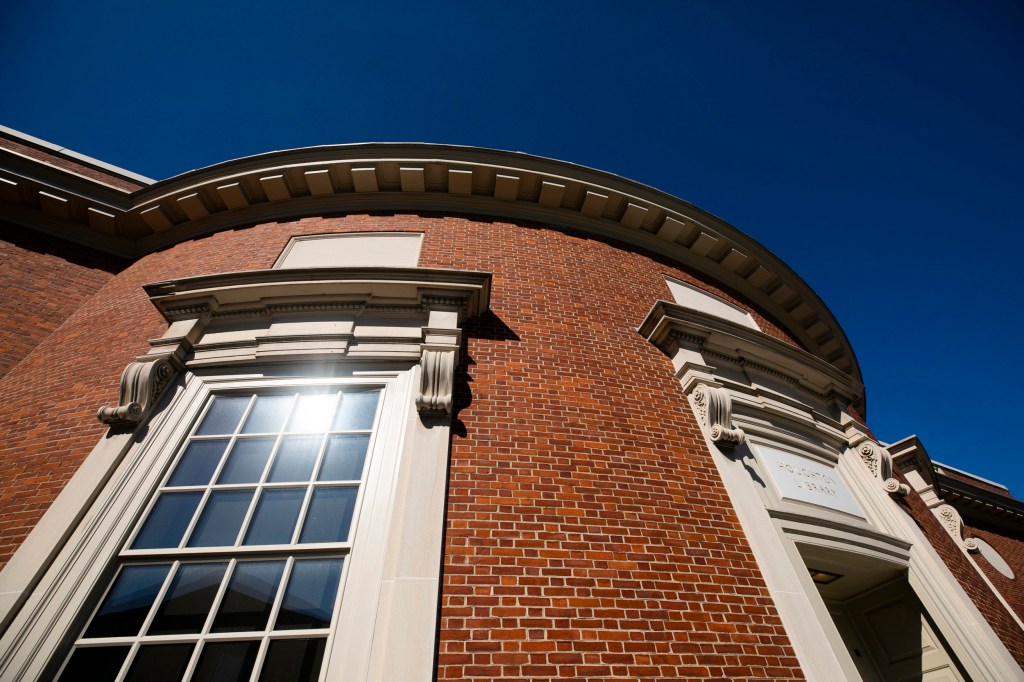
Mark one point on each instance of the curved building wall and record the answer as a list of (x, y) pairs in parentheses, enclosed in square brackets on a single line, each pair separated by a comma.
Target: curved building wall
[(45, 280), (570, 475), (581, 496)]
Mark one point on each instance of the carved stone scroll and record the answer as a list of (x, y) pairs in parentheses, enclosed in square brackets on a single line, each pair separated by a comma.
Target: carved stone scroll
[(869, 455), (879, 463), (141, 386), (714, 407), (437, 376), (954, 525)]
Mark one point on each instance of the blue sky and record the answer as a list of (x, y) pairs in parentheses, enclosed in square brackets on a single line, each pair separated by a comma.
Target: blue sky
[(875, 146)]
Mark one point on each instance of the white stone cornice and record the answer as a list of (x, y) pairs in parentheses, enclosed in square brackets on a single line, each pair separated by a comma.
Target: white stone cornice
[(451, 179), (671, 327), (319, 315), (255, 291)]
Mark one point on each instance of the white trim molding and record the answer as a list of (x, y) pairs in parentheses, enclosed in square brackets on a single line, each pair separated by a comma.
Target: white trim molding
[(791, 407), (398, 329)]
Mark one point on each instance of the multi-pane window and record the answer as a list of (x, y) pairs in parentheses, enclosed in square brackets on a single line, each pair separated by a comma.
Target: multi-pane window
[(236, 568)]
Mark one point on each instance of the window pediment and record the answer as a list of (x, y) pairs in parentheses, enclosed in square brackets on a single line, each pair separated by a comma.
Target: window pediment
[(676, 329)]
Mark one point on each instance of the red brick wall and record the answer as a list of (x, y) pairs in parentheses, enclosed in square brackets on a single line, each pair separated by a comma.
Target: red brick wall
[(588, 534), (994, 612), (42, 281), (1010, 546)]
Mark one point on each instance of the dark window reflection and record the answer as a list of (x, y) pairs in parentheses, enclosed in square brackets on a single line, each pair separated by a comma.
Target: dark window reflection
[(309, 599), (94, 664), (330, 515), (197, 464), (160, 663), (226, 661), (275, 517), (247, 460), (187, 602), (128, 601), (250, 596), (167, 521), (221, 519), (293, 659)]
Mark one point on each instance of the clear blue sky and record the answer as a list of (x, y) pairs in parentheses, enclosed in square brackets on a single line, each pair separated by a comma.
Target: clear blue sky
[(875, 146)]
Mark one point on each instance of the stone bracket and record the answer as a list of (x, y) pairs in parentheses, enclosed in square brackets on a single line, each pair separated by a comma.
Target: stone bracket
[(142, 383), (437, 378), (879, 463), (954, 525), (714, 407)]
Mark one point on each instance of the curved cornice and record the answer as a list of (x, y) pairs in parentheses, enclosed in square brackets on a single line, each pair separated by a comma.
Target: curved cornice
[(427, 177)]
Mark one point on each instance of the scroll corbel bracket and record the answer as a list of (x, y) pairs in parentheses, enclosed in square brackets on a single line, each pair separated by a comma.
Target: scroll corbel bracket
[(142, 384), (437, 377), (954, 525), (714, 407), (879, 463)]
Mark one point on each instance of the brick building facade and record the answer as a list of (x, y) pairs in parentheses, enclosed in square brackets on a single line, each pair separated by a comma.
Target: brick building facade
[(403, 412)]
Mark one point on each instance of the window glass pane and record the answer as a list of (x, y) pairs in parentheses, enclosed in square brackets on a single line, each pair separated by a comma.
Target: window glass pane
[(267, 415), (313, 412), (95, 664), (223, 416), (167, 521), (160, 663), (187, 602), (128, 601), (295, 459), (197, 464), (250, 596), (226, 661), (293, 659), (274, 520), (343, 460), (247, 460), (357, 411), (330, 515), (309, 599), (222, 518)]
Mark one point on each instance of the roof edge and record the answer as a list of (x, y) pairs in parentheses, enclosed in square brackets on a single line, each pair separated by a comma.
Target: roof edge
[(58, 150), (471, 181)]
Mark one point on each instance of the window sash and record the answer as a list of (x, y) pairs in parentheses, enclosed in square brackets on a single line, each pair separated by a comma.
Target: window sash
[(231, 555)]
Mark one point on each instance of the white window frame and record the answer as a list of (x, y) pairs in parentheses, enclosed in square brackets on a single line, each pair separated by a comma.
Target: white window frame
[(88, 563), (382, 462)]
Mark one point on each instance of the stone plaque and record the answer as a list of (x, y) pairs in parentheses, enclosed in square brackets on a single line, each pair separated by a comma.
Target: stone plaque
[(801, 479)]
